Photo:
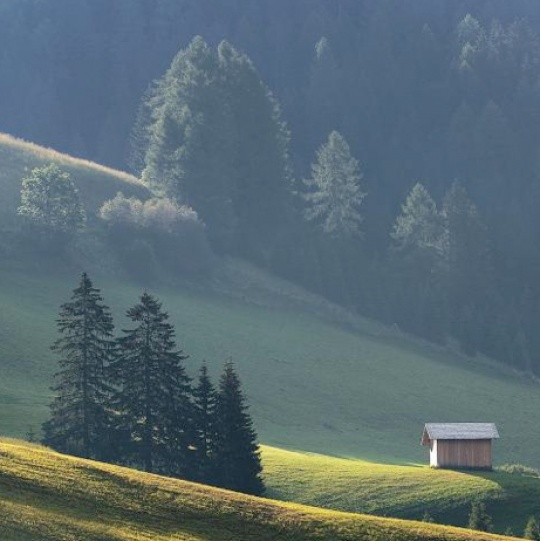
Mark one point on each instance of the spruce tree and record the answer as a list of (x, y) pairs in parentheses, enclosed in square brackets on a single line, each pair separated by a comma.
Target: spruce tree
[(205, 398), (78, 423), (335, 194), (152, 401), (236, 460), (419, 226), (532, 530), (215, 140)]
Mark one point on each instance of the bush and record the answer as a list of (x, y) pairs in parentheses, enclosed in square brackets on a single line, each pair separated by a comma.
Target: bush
[(50, 207), (519, 469), (174, 231)]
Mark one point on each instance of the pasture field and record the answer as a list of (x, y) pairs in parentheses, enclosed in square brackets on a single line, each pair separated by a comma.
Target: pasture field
[(404, 491), (319, 379), (46, 496)]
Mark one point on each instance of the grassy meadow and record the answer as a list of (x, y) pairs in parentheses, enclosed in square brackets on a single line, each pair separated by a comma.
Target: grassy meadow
[(400, 491), (46, 496), (318, 379)]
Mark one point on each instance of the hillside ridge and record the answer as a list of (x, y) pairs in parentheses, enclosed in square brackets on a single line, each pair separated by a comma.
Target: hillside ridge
[(47, 496)]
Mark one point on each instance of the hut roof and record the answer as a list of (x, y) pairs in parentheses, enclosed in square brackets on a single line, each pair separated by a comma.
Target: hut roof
[(459, 431)]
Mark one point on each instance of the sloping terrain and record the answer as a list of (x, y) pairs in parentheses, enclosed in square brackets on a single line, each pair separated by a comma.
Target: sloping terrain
[(96, 183), (406, 491), (313, 385), (46, 496), (317, 377)]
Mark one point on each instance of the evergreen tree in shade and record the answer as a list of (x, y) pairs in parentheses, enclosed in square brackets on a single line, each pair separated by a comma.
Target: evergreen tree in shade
[(205, 398), (78, 423), (419, 225), (153, 399), (479, 518), (236, 460), (532, 530), (335, 194), (324, 93), (468, 269)]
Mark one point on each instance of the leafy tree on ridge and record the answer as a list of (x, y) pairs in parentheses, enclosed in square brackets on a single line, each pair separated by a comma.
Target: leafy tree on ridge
[(50, 203)]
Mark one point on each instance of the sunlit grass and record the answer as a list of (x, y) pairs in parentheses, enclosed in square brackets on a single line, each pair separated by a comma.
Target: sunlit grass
[(47, 496), (96, 183), (399, 491)]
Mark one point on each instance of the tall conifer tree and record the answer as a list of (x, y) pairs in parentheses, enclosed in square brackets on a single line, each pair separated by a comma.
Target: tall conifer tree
[(78, 422), (335, 194), (237, 461), (205, 410), (153, 397)]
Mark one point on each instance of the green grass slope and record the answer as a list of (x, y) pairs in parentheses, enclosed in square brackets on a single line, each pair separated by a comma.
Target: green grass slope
[(313, 385), (46, 496), (318, 378), (400, 491), (96, 183)]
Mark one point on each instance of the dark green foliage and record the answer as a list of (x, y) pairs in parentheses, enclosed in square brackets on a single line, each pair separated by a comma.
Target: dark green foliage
[(236, 460), (205, 398), (532, 530), (152, 404), (216, 141), (50, 205), (79, 418), (479, 518)]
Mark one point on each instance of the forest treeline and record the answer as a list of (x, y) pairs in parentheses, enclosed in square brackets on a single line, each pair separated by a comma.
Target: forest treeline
[(422, 117)]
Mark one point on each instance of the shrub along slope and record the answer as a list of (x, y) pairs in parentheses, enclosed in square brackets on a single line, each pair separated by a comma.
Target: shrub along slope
[(47, 496), (406, 491), (96, 183)]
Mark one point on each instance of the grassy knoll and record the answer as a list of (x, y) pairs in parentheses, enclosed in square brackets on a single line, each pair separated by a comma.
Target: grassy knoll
[(96, 183), (398, 490), (46, 496)]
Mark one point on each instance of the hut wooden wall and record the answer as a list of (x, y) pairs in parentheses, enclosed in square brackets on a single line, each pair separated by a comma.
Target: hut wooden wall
[(464, 453)]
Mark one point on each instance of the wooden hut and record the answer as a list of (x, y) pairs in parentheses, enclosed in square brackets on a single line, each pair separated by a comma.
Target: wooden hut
[(460, 445)]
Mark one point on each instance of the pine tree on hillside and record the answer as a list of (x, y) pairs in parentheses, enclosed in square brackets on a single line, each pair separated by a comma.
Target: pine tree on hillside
[(419, 226), (261, 190), (78, 422), (479, 518), (205, 398), (153, 399), (468, 273), (215, 140), (335, 193), (532, 530), (237, 461)]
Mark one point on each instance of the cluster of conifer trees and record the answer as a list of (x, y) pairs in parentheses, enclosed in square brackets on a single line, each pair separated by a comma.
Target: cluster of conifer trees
[(129, 400)]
